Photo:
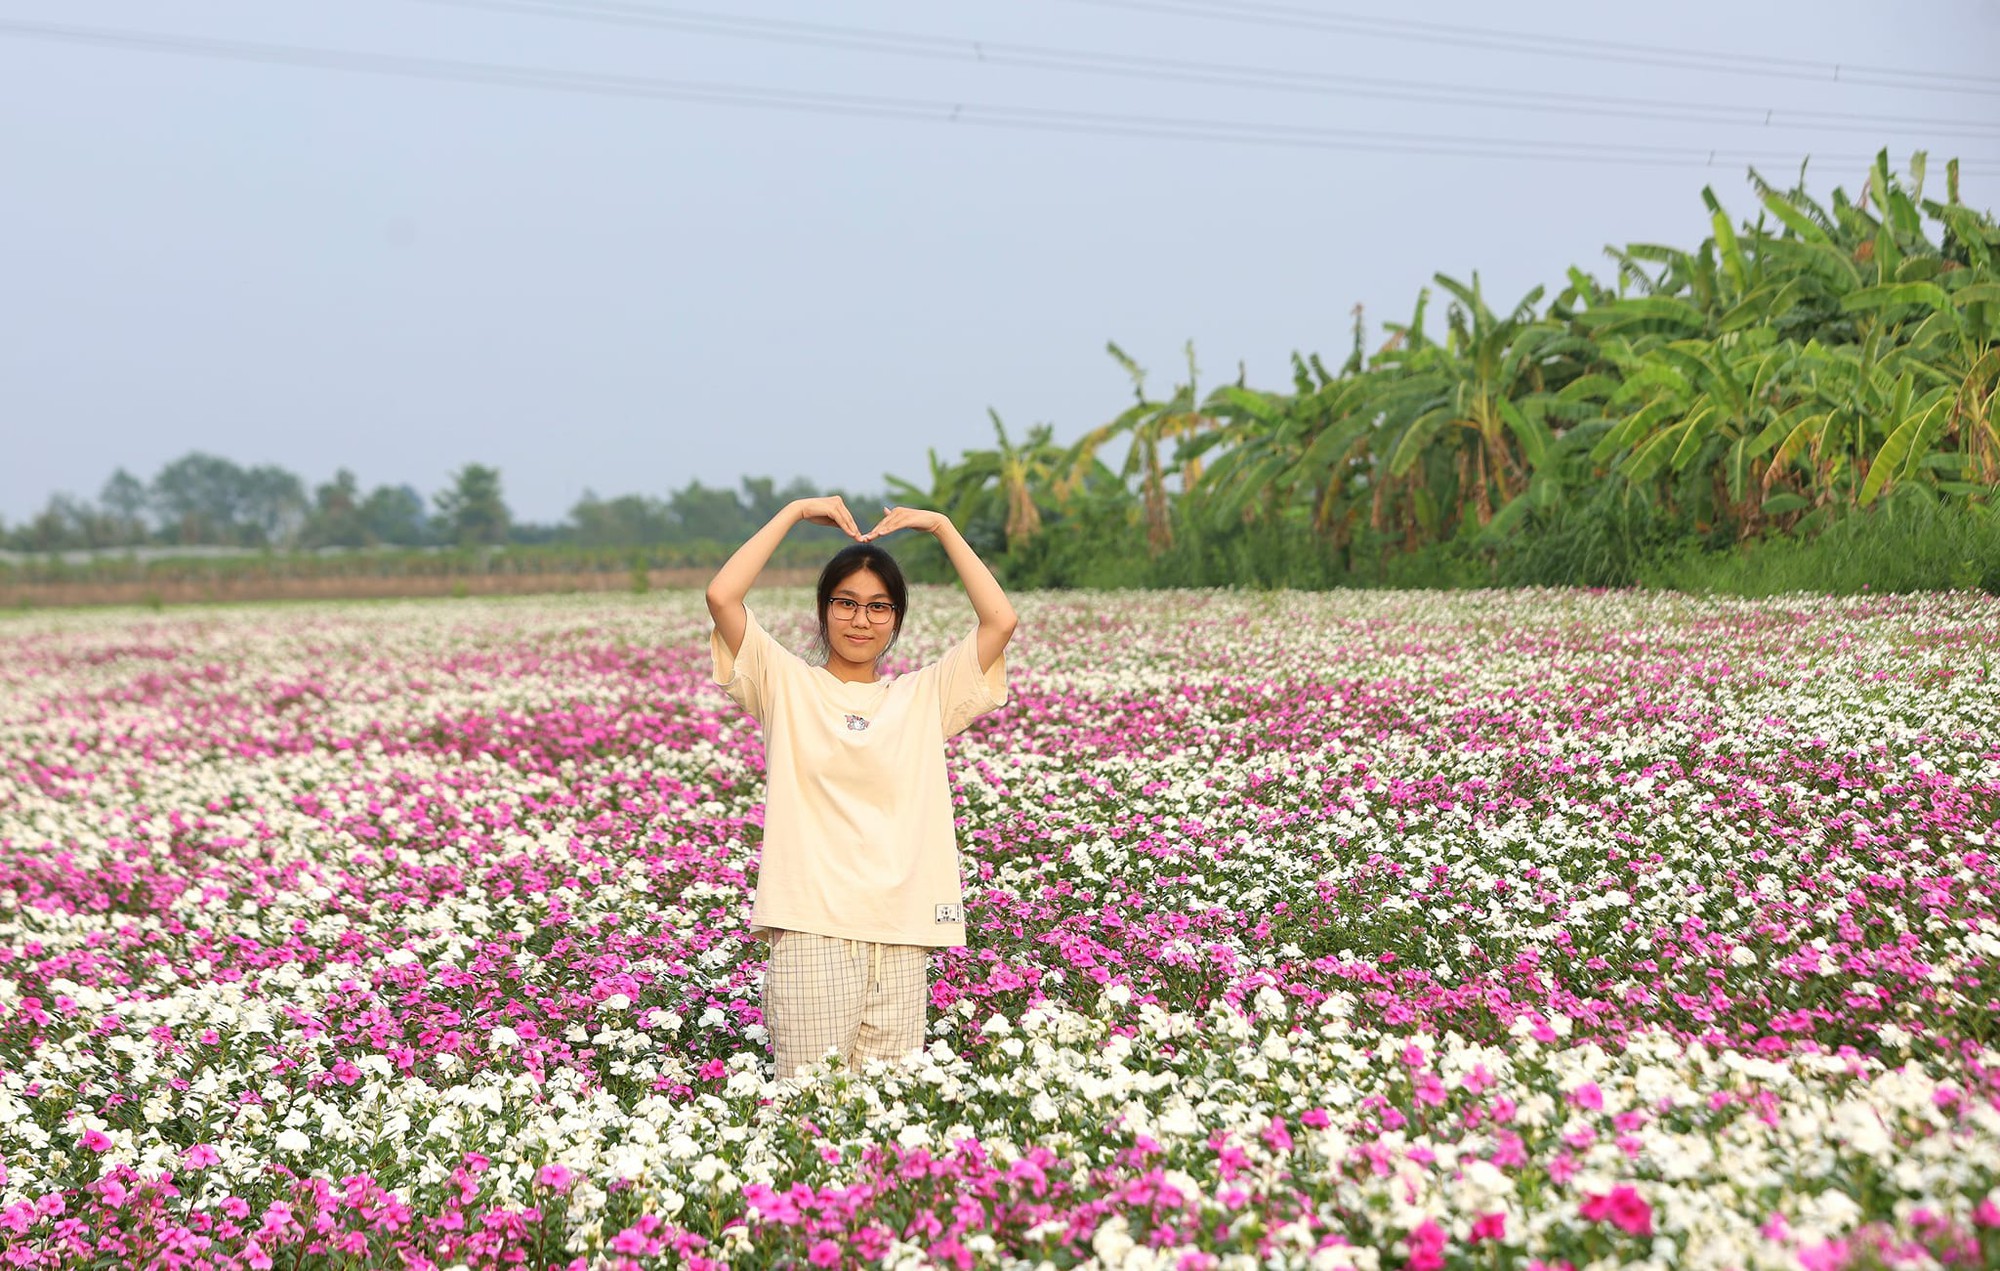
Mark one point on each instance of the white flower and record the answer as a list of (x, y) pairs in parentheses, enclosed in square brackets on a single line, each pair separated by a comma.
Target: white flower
[(1113, 1240)]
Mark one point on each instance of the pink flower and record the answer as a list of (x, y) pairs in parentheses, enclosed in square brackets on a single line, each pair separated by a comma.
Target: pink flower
[(1831, 1256), (1315, 1118), (96, 1140), (556, 1176), (1630, 1212), (1623, 1207), (1589, 1096), (629, 1241), (1491, 1226), (824, 1253), (1426, 1246), (200, 1156), (1276, 1136)]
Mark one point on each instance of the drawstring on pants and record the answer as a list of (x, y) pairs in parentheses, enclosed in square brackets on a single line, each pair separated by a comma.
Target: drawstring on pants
[(874, 960)]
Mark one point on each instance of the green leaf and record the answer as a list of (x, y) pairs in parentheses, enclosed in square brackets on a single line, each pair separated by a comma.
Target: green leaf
[(1733, 263), (1505, 519), (1247, 403), (1762, 305), (1695, 429), (1779, 429), (1911, 437), (1415, 439), (1890, 295), (1653, 453), (1795, 220), (1532, 433), (1782, 502), (1969, 230), (1797, 439), (1592, 387), (1644, 310), (1633, 429), (1332, 442)]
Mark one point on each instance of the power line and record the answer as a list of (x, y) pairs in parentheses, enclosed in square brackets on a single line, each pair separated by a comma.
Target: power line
[(1763, 65), (910, 109), (1173, 70)]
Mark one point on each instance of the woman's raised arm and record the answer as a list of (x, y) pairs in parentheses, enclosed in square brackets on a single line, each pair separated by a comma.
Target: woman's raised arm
[(732, 582), (996, 615)]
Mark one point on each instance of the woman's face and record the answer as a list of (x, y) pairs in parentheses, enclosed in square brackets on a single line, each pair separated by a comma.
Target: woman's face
[(853, 636)]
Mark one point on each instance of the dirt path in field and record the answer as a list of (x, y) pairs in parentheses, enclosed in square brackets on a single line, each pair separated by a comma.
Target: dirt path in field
[(200, 590)]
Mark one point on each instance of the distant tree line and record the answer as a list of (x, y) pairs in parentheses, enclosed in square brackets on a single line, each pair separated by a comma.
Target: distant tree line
[(204, 500)]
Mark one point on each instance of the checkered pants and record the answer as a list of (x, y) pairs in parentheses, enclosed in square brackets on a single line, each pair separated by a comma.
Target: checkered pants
[(860, 999)]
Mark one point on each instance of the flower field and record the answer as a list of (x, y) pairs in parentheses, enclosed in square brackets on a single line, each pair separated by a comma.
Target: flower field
[(1366, 930)]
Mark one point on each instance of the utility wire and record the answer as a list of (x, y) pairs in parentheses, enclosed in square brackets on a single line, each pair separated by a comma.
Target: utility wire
[(1759, 64), (1174, 70), (912, 109)]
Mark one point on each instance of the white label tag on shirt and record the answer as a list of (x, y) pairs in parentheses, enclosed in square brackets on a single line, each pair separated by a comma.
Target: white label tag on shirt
[(950, 913)]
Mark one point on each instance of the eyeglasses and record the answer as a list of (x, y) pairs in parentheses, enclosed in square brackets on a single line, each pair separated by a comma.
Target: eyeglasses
[(843, 609)]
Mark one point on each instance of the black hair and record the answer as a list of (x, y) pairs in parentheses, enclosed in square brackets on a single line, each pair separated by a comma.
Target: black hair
[(847, 562)]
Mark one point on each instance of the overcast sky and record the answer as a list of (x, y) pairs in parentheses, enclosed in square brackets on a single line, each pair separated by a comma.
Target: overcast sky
[(221, 248)]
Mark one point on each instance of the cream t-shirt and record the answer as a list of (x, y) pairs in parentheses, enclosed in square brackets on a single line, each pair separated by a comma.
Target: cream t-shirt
[(858, 836)]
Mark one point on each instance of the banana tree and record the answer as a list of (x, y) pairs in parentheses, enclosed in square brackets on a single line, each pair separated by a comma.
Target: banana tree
[(1005, 486), (1151, 425), (1313, 442), (1484, 396)]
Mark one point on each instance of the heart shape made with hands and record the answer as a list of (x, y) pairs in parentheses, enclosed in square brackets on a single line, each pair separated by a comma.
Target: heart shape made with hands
[(902, 518)]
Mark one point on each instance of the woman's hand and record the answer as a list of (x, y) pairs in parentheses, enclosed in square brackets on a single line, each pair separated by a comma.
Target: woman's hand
[(830, 509), (894, 519)]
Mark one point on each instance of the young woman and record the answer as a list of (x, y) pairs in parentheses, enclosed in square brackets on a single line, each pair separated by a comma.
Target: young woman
[(859, 877)]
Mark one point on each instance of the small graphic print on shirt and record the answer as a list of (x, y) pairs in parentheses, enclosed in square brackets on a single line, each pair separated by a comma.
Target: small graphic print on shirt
[(857, 723), (949, 913)]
